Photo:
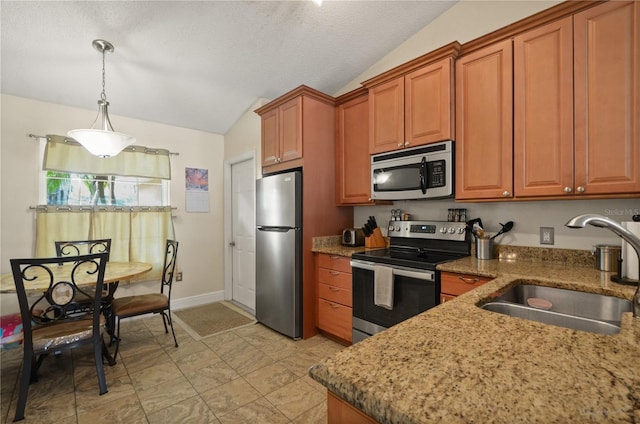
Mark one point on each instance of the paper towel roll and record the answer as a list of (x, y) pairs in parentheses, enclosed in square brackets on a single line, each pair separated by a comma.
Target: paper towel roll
[(629, 256)]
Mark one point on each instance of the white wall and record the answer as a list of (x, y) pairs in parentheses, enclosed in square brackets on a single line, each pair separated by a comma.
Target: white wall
[(200, 256), (465, 21)]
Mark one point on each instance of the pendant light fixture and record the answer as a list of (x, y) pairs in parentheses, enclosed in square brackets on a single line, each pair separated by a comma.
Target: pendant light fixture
[(101, 140)]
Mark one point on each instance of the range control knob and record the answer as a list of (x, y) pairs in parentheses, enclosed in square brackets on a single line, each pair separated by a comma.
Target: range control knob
[(460, 230), (397, 228), (443, 230), (452, 230), (390, 227)]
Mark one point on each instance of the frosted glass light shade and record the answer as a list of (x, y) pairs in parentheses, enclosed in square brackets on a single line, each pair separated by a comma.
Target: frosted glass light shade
[(102, 143)]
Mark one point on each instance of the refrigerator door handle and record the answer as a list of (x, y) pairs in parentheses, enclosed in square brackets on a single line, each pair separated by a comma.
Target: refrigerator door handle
[(276, 229)]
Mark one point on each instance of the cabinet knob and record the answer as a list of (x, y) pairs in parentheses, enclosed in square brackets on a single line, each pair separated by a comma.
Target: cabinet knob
[(407, 144), (400, 144), (580, 189), (506, 194), (567, 189)]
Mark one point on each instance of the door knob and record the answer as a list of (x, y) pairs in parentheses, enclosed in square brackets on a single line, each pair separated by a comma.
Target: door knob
[(232, 243)]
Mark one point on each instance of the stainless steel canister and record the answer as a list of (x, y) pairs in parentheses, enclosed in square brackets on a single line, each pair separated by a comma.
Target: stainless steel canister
[(607, 257), (484, 248)]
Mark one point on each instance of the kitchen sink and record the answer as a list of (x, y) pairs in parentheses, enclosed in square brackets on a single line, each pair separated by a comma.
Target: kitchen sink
[(590, 312)]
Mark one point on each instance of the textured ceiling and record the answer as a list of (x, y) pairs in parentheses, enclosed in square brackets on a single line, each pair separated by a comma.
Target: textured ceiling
[(196, 64)]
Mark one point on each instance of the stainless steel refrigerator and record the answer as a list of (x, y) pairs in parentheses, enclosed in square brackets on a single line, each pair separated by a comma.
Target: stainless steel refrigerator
[(279, 252)]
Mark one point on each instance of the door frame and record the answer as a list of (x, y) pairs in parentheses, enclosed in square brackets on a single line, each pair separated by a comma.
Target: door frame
[(228, 257)]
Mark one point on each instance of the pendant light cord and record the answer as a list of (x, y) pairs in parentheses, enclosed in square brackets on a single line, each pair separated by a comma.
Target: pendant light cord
[(103, 95)]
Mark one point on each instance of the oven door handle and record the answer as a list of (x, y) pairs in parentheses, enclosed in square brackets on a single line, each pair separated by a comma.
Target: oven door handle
[(399, 271)]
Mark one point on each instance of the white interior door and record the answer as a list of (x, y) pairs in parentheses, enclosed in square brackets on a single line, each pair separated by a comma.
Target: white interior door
[(242, 242)]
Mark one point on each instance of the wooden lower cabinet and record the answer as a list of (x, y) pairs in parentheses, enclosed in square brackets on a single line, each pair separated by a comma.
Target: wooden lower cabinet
[(454, 284), (341, 412), (334, 306)]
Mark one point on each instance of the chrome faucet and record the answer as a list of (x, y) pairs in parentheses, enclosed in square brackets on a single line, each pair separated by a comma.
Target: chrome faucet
[(581, 221)]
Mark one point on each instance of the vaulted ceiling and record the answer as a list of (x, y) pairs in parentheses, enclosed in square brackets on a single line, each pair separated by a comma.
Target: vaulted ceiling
[(196, 64)]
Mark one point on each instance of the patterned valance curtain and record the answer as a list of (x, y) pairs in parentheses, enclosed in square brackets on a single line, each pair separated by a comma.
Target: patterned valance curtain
[(137, 234), (64, 154)]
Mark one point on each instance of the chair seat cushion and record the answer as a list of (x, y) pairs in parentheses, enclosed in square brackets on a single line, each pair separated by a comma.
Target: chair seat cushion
[(140, 304), (55, 336)]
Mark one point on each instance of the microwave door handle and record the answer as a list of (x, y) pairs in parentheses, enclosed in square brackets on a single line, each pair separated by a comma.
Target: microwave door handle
[(423, 175)]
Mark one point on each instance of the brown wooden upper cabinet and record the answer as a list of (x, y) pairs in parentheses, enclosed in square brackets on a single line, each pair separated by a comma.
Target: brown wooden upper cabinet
[(484, 136), (596, 52), (287, 123), (575, 110), (411, 105), (353, 168)]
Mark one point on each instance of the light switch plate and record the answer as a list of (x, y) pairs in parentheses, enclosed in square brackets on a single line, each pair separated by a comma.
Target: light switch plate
[(546, 235)]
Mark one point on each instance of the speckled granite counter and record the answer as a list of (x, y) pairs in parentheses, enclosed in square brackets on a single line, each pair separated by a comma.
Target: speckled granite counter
[(332, 245), (457, 363)]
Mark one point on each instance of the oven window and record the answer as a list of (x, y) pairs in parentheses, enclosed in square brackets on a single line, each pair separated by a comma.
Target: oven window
[(397, 178), (410, 297)]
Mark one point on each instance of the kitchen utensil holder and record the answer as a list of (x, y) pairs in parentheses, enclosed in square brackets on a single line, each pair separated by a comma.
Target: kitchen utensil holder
[(484, 248), (375, 240)]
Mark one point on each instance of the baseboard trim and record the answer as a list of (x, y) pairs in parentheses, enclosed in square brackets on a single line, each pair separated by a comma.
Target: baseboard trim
[(201, 299)]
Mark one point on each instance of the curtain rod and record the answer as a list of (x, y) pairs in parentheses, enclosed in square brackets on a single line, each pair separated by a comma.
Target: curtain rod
[(147, 151), (101, 207)]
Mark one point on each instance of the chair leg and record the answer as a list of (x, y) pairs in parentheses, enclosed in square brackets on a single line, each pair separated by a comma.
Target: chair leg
[(171, 324), (27, 367), (98, 344), (117, 338), (164, 321)]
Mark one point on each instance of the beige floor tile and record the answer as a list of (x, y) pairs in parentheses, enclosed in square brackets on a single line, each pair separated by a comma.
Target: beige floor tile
[(248, 360), (295, 398), (136, 343), (188, 347), (270, 378), (163, 395), (326, 348), (121, 411), (300, 362), (88, 398), (50, 410), (230, 396), (260, 411), (315, 415), (190, 411), (144, 360), (194, 361), (212, 376), (156, 374), (226, 344)]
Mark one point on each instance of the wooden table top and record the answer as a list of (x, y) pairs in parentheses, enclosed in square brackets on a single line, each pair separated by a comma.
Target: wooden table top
[(115, 271)]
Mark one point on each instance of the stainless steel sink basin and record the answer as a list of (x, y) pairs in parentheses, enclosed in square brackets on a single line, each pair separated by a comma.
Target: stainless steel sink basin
[(591, 312)]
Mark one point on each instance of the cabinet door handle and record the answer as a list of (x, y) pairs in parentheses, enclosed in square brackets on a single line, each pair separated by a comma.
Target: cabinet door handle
[(567, 189), (469, 280), (334, 257), (580, 189), (334, 289), (400, 144), (334, 306), (334, 273), (506, 194), (407, 144)]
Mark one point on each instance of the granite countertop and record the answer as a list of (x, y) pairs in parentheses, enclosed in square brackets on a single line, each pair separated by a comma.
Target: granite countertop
[(333, 246), (457, 363)]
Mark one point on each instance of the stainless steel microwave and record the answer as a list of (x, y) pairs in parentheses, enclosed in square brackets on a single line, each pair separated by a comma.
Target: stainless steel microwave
[(424, 172)]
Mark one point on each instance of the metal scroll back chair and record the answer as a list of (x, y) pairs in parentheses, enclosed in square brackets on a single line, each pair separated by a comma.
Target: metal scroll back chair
[(151, 303), (82, 247), (46, 288)]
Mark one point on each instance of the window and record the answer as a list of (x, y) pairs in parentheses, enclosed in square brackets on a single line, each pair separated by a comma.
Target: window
[(93, 190)]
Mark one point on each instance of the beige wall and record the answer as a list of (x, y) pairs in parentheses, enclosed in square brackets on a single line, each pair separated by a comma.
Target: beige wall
[(245, 136), (200, 256)]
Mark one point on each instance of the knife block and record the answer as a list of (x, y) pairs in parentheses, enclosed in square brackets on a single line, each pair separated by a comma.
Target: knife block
[(375, 240)]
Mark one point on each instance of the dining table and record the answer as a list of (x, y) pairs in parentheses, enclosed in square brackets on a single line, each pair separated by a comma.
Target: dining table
[(115, 273)]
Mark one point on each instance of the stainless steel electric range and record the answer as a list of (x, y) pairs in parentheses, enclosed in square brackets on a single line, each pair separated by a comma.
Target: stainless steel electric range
[(416, 248)]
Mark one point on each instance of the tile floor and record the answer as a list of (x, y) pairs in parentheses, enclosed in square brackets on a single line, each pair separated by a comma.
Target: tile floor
[(248, 375)]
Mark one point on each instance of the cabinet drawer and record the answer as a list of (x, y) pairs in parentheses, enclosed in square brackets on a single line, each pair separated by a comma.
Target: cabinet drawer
[(457, 284), (334, 278), (335, 262), (335, 319), (335, 294)]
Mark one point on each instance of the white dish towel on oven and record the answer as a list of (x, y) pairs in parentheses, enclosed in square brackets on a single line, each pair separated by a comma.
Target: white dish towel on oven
[(383, 286)]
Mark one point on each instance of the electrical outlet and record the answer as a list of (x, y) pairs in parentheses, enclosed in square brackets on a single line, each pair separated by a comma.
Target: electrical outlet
[(546, 235), (179, 276)]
